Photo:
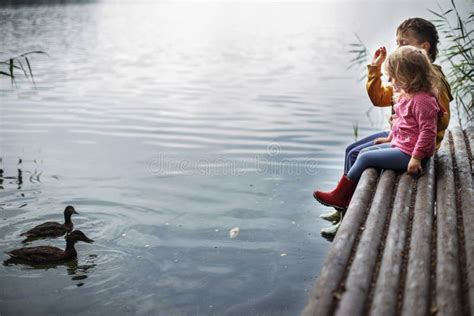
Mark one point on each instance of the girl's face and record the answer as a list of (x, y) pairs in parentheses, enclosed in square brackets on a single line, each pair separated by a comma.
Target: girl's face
[(396, 87)]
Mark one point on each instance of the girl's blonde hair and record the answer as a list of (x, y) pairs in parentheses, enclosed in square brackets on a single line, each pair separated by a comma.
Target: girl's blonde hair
[(412, 70)]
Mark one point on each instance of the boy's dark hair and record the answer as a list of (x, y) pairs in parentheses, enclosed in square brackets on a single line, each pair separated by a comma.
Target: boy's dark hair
[(423, 31)]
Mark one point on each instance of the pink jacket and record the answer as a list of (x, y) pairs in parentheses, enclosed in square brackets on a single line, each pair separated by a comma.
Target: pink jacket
[(414, 127)]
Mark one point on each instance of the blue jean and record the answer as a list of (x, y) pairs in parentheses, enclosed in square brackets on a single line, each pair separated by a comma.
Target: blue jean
[(382, 156), (353, 150)]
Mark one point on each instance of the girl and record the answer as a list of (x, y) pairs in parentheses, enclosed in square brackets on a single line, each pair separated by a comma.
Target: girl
[(412, 139), (416, 32)]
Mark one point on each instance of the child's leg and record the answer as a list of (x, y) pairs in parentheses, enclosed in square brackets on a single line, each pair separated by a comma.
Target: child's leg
[(380, 157), (352, 151), (375, 147)]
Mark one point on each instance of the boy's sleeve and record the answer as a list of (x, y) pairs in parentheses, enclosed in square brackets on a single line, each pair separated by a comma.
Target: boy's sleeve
[(443, 121), (444, 98), (379, 94)]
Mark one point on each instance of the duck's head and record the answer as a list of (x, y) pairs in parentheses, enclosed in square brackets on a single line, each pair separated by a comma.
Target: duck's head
[(76, 236), (69, 210)]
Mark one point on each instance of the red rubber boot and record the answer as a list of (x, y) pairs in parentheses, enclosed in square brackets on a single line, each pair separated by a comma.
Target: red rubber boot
[(340, 197)]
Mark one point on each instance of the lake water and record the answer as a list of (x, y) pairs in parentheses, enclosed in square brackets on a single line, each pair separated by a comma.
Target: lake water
[(168, 124)]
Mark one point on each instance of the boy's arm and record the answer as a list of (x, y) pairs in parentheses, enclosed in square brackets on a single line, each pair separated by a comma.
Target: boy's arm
[(379, 94), (444, 98), (382, 140), (443, 121)]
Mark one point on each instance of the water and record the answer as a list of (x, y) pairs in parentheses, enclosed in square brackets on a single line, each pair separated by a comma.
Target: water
[(166, 125)]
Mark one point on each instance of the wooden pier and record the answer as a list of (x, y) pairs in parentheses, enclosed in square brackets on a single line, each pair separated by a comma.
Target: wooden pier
[(406, 245)]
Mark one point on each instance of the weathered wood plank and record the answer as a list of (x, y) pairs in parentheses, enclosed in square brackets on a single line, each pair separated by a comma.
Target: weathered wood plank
[(348, 272), (321, 300), (360, 275), (447, 270), (416, 297), (386, 288), (465, 192), (470, 138)]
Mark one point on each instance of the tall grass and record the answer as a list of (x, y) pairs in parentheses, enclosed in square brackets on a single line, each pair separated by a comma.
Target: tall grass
[(361, 56), (355, 129), (11, 66), (457, 56)]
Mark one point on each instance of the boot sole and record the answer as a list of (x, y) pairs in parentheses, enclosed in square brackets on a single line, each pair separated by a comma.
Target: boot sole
[(341, 209), (334, 222), (329, 237)]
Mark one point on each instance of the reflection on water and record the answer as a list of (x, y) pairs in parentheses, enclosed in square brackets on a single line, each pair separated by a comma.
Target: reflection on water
[(16, 3), (166, 125), (74, 269), (77, 272)]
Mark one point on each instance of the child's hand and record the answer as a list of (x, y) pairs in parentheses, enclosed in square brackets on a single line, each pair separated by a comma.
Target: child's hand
[(391, 119), (414, 166), (379, 56), (381, 140)]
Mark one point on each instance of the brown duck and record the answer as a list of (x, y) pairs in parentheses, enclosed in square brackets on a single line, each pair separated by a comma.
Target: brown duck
[(49, 254), (52, 229)]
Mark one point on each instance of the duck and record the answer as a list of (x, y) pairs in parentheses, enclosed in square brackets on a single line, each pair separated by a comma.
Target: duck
[(48, 254), (52, 229)]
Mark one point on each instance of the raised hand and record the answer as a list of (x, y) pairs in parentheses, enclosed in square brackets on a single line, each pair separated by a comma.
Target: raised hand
[(379, 56)]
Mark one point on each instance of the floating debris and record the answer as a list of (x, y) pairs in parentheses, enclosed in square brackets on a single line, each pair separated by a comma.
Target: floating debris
[(283, 255), (234, 232)]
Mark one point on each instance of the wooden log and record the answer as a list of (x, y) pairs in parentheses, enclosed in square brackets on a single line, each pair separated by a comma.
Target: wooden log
[(321, 302), (361, 272), (386, 288), (465, 193), (416, 297), (470, 140), (447, 253)]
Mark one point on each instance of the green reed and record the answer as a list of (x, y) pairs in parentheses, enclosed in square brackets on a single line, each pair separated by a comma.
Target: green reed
[(355, 129), (361, 56), (457, 55), (19, 64)]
